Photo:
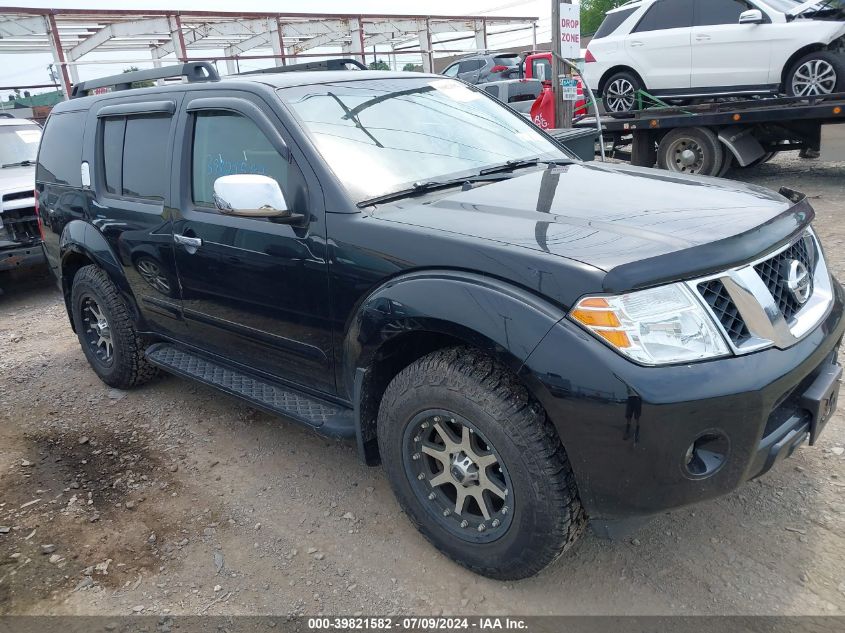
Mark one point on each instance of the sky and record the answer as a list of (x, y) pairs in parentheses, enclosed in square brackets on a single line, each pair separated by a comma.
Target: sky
[(32, 69)]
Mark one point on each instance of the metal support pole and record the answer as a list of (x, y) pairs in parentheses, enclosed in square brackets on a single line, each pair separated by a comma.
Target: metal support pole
[(280, 30), (424, 35), (177, 37), (563, 109), (58, 53)]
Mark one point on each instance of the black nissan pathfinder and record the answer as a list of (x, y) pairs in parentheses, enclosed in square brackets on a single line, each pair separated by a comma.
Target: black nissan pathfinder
[(526, 342)]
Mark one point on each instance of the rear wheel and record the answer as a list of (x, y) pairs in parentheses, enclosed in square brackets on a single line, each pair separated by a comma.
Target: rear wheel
[(106, 332), (621, 91), (691, 151), (815, 74), (477, 466)]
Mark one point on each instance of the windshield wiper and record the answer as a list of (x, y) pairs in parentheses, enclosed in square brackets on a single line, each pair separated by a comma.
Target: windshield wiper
[(512, 165), (416, 188), (22, 163)]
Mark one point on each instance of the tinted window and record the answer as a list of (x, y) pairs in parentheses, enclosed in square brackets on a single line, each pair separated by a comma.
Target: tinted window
[(112, 152), (144, 157), (613, 21), (506, 60), (227, 143), (666, 14), (60, 156), (708, 12), (471, 64)]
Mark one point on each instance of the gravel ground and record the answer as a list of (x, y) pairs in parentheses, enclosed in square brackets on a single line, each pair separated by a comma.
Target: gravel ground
[(175, 499)]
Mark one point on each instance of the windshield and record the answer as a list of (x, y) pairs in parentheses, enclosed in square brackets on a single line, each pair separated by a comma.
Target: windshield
[(384, 135), (19, 143)]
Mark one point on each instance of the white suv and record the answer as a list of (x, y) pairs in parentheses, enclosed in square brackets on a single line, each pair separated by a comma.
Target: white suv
[(704, 48)]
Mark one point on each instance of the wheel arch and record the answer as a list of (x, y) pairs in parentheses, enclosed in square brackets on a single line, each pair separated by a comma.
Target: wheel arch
[(82, 245), (419, 313), (809, 48), (620, 68)]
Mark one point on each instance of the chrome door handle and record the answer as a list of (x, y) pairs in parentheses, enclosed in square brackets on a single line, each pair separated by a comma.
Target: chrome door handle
[(191, 244), (636, 43), (702, 38)]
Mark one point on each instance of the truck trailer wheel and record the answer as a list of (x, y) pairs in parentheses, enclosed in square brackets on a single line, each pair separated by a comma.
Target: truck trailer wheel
[(106, 332), (477, 466), (694, 150)]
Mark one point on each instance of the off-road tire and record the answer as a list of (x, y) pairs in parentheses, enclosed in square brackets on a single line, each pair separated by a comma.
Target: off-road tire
[(129, 368), (547, 513)]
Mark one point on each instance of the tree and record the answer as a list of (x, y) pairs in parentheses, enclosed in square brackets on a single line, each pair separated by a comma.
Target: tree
[(592, 13), (138, 84), (379, 65), (409, 68)]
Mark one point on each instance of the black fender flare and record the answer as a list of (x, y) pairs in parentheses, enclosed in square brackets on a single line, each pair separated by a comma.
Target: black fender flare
[(495, 316), (81, 239)]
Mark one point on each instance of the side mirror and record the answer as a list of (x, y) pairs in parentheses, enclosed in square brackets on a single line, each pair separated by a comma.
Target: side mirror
[(752, 16), (253, 196)]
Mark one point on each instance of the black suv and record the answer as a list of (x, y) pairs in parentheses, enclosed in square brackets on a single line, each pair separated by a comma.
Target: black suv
[(521, 339)]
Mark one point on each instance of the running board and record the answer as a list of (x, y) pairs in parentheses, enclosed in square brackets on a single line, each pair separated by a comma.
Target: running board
[(320, 415)]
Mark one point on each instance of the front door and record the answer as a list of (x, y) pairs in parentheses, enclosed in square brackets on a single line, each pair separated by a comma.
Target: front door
[(659, 45), (726, 53), (254, 292)]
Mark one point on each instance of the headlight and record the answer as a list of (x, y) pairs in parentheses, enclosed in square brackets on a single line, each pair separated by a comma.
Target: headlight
[(658, 326)]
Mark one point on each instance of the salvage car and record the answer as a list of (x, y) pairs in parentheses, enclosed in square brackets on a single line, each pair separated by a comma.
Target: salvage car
[(689, 49), (524, 341), (20, 235)]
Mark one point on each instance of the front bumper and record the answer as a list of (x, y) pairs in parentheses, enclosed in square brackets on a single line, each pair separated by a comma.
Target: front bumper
[(628, 429), (22, 257)]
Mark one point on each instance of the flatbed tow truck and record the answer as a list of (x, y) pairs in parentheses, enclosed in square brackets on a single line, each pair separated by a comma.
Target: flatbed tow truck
[(708, 139)]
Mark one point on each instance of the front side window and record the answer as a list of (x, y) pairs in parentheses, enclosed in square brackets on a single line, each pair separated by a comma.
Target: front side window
[(666, 14), (381, 136), (711, 12), (227, 143), (471, 65), (541, 69)]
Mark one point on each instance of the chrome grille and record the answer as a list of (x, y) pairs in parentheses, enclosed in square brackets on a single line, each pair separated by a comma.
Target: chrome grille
[(772, 272), (717, 297), (754, 305)]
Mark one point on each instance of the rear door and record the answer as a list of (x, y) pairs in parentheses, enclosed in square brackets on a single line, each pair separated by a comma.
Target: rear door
[(469, 70), (131, 199), (725, 52), (255, 292), (659, 45)]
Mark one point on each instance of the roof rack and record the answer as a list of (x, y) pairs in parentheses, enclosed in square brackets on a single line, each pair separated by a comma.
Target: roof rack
[(340, 63), (192, 71)]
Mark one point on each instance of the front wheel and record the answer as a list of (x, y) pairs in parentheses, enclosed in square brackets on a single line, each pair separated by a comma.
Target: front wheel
[(816, 74), (695, 150), (477, 466)]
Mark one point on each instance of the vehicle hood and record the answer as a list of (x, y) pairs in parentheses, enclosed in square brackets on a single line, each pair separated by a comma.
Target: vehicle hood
[(13, 179), (615, 218)]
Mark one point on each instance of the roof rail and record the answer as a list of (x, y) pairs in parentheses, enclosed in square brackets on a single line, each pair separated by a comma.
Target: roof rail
[(327, 64), (192, 71)]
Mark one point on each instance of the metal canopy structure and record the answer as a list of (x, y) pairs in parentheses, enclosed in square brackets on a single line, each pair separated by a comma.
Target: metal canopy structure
[(72, 34)]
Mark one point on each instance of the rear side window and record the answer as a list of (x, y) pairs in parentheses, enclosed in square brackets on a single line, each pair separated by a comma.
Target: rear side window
[(134, 155), (710, 12), (60, 156), (470, 65), (613, 21), (507, 60), (666, 14), (144, 157)]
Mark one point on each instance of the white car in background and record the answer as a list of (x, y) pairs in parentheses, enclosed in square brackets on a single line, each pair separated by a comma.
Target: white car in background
[(680, 49)]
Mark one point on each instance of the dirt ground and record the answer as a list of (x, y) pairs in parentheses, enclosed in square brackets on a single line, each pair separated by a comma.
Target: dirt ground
[(175, 499)]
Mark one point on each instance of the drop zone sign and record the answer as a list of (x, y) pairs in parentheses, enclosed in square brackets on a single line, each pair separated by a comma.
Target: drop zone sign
[(570, 31)]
